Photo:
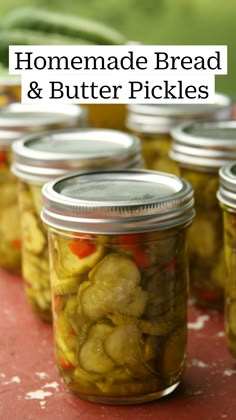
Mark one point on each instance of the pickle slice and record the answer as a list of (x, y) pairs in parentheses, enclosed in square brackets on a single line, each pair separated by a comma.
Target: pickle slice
[(65, 287), (37, 198), (112, 287), (92, 356), (123, 346), (69, 263), (34, 238)]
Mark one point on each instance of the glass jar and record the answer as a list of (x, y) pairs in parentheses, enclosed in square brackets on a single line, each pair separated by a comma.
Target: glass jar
[(16, 120), (10, 88), (201, 148), (41, 157), (119, 282), (106, 116), (10, 243), (227, 198), (153, 124)]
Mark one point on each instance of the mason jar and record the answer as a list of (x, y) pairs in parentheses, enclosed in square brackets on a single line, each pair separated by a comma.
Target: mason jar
[(227, 198), (117, 249), (10, 243), (10, 88), (201, 148), (41, 157), (110, 116), (16, 120), (153, 124)]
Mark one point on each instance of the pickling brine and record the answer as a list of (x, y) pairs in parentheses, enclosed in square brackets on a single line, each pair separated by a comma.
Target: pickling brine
[(206, 256), (15, 121), (10, 88), (34, 250), (201, 148), (120, 312), (119, 279), (226, 195), (10, 243), (59, 152), (110, 116)]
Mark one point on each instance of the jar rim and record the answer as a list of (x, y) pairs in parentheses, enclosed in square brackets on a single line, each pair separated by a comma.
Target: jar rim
[(53, 153), (226, 193), (162, 118), (209, 144), (117, 202), (32, 117)]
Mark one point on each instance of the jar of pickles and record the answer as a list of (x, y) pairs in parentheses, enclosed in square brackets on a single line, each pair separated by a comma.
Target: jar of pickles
[(16, 120), (153, 124), (10, 243), (227, 198), (10, 88), (119, 282), (41, 157), (106, 116), (201, 148)]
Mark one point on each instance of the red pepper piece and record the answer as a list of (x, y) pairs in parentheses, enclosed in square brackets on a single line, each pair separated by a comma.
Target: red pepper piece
[(171, 266), (82, 248), (3, 158), (141, 258), (65, 364), (129, 242), (16, 244), (72, 332)]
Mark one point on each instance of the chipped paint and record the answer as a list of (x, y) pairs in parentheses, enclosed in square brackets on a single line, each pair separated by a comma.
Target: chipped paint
[(199, 392), (199, 363), (54, 385), (13, 380), (42, 404), (229, 372), (199, 323), (220, 334), (41, 375), (37, 395)]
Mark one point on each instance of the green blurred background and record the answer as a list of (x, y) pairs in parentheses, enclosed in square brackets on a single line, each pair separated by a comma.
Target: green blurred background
[(160, 22)]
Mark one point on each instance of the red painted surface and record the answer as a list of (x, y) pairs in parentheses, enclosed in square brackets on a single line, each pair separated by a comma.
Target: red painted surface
[(27, 365)]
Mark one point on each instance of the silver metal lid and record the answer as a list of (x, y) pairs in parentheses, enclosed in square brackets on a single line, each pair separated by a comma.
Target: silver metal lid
[(118, 202), (7, 80), (29, 118), (209, 144), (226, 193), (40, 157), (154, 119)]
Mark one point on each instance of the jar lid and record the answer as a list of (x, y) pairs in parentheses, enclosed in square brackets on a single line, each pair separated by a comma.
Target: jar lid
[(118, 202), (150, 119), (8, 80), (226, 193), (209, 144), (28, 118), (40, 157)]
